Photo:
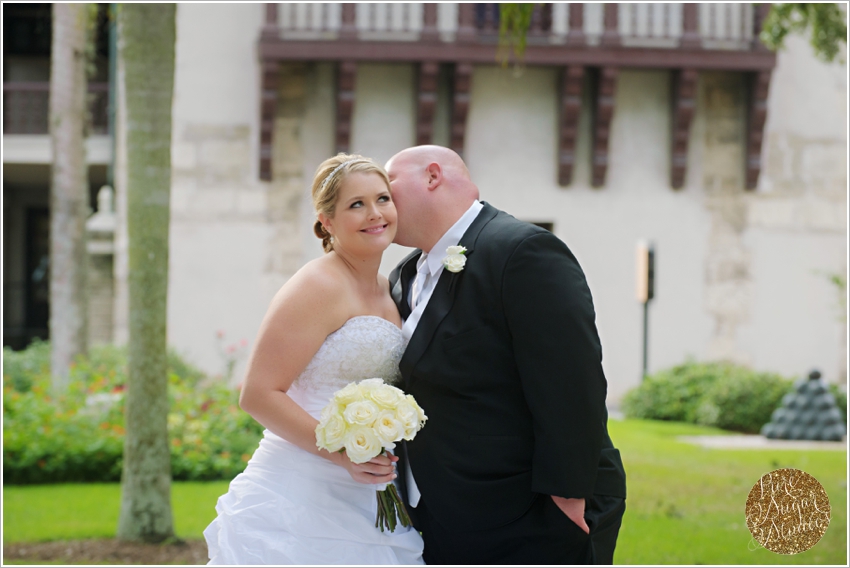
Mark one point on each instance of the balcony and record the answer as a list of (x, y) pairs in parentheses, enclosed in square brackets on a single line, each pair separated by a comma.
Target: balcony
[(701, 36), (587, 41)]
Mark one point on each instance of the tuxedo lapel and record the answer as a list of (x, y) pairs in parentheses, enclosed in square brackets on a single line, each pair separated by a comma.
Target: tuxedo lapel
[(443, 297), (401, 286)]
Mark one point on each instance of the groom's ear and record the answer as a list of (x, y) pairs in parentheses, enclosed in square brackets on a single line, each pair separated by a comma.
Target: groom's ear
[(435, 175)]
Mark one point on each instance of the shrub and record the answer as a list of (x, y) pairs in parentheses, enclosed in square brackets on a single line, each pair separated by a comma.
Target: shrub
[(724, 395), (79, 436), (20, 367), (742, 400), (673, 394)]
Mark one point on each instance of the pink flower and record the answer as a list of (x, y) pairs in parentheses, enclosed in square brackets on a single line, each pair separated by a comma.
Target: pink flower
[(219, 333)]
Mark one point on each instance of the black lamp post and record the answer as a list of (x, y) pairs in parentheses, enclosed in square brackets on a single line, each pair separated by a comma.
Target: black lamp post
[(645, 292)]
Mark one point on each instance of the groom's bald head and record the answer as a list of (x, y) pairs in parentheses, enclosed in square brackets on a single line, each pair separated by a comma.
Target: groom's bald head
[(451, 162), (432, 189)]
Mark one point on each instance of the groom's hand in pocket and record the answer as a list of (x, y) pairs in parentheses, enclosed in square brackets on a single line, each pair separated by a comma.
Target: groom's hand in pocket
[(574, 509)]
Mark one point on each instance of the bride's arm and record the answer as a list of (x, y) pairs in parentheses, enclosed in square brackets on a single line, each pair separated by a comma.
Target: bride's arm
[(300, 317)]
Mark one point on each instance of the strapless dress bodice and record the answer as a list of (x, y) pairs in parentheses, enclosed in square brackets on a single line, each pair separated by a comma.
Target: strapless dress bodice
[(365, 347)]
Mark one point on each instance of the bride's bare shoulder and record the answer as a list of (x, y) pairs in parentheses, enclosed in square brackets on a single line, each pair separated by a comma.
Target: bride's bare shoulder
[(318, 285)]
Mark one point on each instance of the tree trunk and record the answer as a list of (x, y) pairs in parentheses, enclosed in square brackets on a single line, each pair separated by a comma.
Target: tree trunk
[(68, 190), (147, 35)]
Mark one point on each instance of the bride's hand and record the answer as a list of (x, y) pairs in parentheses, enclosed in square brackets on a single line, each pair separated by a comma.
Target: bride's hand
[(377, 470)]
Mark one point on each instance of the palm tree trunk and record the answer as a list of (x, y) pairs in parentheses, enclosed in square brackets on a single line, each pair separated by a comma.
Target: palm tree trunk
[(68, 190), (147, 36)]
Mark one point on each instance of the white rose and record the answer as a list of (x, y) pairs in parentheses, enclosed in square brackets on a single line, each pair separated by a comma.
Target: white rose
[(330, 433), (388, 428), (368, 385), (386, 397), (329, 410), (362, 444), (457, 249), (362, 412), (409, 418), (419, 411), (455, 261), (347, 394)]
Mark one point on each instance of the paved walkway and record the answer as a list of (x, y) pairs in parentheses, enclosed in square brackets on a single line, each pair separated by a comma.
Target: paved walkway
[(756, 442), (748, 441)]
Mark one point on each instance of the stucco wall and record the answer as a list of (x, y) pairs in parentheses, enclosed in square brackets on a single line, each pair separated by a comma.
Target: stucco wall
[(797, 220), (221, 236)]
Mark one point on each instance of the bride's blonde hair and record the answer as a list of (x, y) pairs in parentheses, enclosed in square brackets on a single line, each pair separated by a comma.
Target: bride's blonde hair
[(327, 182)]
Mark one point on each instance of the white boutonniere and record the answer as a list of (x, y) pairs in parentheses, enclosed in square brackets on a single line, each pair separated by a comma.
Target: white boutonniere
[(455, 259)]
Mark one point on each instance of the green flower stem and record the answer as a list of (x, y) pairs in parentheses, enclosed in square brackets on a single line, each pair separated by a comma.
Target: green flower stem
[(404, 517), (379, 522), (391, 510)]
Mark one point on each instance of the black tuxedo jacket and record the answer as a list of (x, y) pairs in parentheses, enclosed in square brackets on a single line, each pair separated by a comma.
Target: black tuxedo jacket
[(507, 364)]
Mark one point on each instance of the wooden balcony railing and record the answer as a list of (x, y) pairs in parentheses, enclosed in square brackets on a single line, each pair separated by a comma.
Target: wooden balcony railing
[(26, 110), (659, 25)]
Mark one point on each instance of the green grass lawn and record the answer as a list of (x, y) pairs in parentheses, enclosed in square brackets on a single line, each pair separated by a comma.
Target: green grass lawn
[(685, 505), (90, 510)]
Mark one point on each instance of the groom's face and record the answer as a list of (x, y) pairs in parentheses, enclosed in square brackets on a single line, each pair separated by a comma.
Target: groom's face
[(407, 188)]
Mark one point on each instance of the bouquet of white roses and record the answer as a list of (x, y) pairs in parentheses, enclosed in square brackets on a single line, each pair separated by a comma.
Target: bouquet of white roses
[(365, 419)]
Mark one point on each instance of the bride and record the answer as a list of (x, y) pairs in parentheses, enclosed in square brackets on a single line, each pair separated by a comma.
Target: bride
[(332, 323)]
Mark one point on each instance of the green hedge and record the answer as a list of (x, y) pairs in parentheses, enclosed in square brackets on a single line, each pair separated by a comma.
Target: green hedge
[(723, 395), (79, 436)]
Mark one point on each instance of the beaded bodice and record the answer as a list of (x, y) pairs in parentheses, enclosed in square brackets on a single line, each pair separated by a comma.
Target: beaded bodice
[(365, 347)]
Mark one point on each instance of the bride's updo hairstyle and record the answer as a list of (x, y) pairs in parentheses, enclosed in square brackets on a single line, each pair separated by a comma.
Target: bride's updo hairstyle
[(327, 182)]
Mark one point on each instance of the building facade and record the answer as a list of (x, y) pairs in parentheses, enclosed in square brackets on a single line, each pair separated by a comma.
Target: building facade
[(626, 122)]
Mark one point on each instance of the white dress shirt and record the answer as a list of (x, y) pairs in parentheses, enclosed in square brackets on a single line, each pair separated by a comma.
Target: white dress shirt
[(434, 264)]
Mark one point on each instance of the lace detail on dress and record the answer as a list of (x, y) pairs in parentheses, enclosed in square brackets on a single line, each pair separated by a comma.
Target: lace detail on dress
[(365, 347)]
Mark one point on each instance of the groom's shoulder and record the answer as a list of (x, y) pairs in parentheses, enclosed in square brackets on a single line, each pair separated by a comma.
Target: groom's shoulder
[(506, 228)]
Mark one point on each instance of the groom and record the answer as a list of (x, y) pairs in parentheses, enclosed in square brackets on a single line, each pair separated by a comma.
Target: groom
[(515, 465)]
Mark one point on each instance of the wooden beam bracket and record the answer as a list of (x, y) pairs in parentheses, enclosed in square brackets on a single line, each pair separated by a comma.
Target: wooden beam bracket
[(426, 102), (756, 117), (346, 74), (603, 112), (572, 79), (462, 80), (683, 98), (268, 106)]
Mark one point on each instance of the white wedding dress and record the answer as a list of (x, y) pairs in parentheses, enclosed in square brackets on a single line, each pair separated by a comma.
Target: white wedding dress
[(292, 507)]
